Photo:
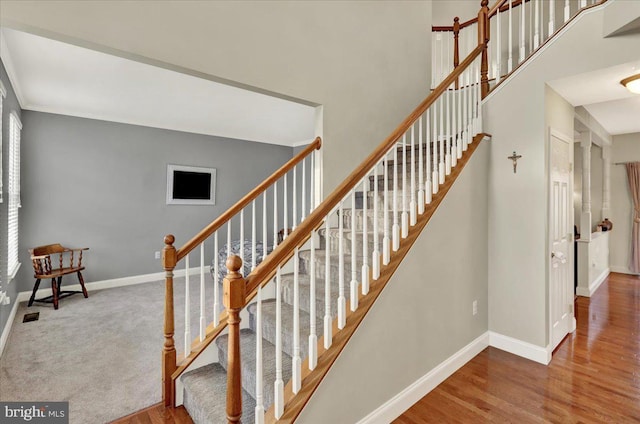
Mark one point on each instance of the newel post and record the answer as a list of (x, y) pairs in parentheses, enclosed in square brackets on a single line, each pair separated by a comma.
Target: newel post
[(483, 39), (234, 288), (169, 260), (456, 46)]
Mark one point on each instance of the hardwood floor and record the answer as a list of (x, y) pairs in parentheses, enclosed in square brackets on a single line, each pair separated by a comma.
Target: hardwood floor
[(594, 376), (157, 414)]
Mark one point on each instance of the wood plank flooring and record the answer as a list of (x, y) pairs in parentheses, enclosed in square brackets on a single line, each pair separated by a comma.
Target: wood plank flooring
[(594, 376), (157, 414)]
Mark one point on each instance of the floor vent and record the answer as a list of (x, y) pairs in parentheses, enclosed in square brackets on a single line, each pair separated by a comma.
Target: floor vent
[(34, 316)]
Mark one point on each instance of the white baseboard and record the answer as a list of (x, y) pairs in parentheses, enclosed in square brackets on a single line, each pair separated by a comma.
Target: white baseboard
[(621, 270), (115, 282), (7, 327), (582, 291), (395, 406), (518, 347)]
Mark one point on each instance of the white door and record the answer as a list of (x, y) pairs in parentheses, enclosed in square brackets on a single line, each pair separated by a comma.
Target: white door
[(561, 239)]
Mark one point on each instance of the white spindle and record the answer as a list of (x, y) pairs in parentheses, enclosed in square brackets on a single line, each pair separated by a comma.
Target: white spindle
[(259, 410), (354, 269), (216, 281), (265, 242), (386, 245), (510, 39), (275, 215), (295, 200), (375, 258), (312, 187), (365, 238), (203, 319), (434, 149), (304, 191), (421, 198), (327, 286), (530, 26), (447, 142), (253, 235), (583, 3), (441, 154), (454, 127), (278, 385), (460, 126), (187, 309), (313, 335), (412, 204), (285, 210), (342, 300), (229, 253), (241, 246), (296, 362), (552, 17), (567, 10), (404, 228), (498, 46), (428, 192), (395, 229), (465, 107), (522, 32)]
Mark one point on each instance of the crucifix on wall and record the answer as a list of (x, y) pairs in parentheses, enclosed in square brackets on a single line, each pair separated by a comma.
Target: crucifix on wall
[(514, 158)]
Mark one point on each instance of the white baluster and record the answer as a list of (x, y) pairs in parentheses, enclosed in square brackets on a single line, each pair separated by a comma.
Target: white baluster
[(275, 215), (311, 182), (187, 309), (365, 238), (354, 268), (510, 39), (285, 210), (375, 259), (386, 245), (434, 149), (583, 3), (412, 204), (476, 100), (441, 154), (229, 253), (203, 320), (460, 125), (216, 281), (479, 107), (530, 26), (427, 139), (327, 286), (241, 247), (342, 300), (567, 10), (265, 242), (395, 229), (465, 108), (313, 336), (552, 17), (296, 362), (404, 227), (522, 32), (253, 235), (498, 46), (278, 385), (304, 191), (536, 24), (259, 410), (421, 198), (295, 200), (454, 126), (447, 142)]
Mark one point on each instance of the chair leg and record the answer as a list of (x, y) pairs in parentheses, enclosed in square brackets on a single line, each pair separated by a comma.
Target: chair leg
[(84, 290), (35, 289), (54, 289), (59, 285)]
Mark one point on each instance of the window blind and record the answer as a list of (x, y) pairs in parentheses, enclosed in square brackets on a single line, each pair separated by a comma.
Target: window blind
[(15, 128)]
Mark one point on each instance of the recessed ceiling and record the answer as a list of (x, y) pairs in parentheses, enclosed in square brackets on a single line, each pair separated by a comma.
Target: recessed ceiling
[(602, 95), (51, 76)]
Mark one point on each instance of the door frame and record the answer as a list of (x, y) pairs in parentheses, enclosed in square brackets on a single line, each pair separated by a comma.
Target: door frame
[(570, 141)]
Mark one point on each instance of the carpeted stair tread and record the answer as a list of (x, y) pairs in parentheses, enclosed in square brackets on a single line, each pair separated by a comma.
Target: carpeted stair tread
[(248, 363), (305, 294), (269, 324), (205, 396)]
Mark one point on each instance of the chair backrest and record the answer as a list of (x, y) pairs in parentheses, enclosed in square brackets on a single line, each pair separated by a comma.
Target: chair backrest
[(46, 250)]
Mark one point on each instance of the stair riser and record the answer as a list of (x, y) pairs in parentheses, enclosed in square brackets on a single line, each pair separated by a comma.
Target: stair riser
[(305, 298), (334, 239)]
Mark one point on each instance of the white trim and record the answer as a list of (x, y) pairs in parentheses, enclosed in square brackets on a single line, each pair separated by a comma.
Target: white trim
[(582, 291), (171, 168), (555, 37), (11, 276), (3, 91), (621, 270), (17, 118), (7, 327), (395, 406), (521, 348), (11, 73), (115, 282)]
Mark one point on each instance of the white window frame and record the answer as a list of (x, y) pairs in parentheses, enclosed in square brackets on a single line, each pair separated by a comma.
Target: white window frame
[(13, 257), (212, 194), (3, 94)]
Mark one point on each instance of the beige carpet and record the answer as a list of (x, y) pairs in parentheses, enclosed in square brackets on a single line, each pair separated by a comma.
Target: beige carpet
[(102, 354)]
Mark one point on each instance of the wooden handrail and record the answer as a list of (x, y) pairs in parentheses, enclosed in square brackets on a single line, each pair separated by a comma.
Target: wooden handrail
[(246, 200), (260, 275)]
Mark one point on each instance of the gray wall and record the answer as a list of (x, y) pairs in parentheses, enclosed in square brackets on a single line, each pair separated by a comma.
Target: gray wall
[(424, 315), (625, 148), (103, 185), (9, 104)]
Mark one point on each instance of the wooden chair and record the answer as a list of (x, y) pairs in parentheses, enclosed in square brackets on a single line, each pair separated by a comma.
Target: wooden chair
[(42, 268)]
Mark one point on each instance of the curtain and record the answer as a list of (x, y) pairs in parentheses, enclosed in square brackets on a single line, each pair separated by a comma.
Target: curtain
[(633, 174)]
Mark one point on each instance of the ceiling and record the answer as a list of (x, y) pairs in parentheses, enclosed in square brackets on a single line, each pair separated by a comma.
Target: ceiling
[(602, 95), (51, 76)]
